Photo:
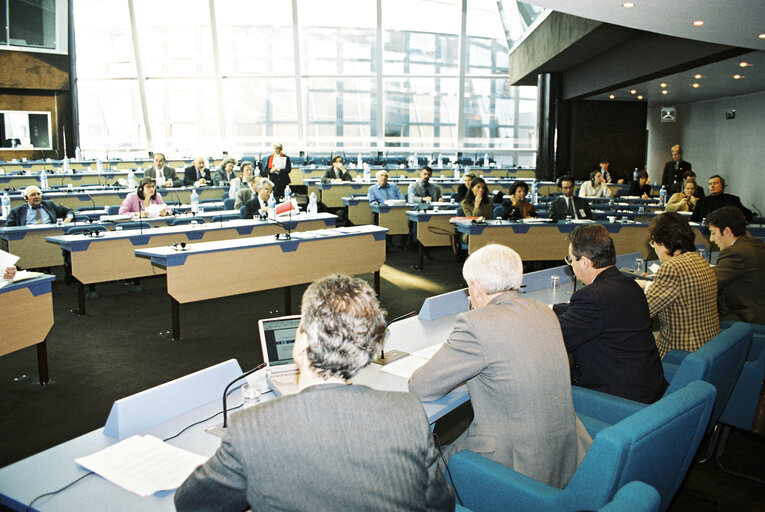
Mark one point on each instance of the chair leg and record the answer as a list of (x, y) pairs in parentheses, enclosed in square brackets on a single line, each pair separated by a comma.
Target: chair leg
[(720, 451), (711, 445)]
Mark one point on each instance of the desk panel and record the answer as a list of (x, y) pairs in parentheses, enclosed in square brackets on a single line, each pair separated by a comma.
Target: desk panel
[(27, 313), (115, 197), (29, 244), (436, 220)]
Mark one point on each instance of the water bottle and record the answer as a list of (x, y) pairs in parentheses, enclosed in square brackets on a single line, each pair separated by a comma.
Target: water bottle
[(287, 193), (65, 166), (313, 208), (415, 161), (131, 179), (77, 154), (43, 180), (194, 202), (6, 205), (456, 167), (359, 161), (99, 165), (272, 207), (663, 195), (366, 172), (534, 192), (440, 161), (233, 188), (635, 175), (486, 160)]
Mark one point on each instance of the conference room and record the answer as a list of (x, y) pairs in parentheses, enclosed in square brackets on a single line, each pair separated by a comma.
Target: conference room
[(134, 323)]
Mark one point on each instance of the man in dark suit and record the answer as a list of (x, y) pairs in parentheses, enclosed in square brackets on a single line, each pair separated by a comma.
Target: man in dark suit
[(567, 204), (331, 446), (276, 167), (259, 202), (197, 175), (37, 211), (422, 190), (675, 168), (740, 267), (717, 198), (337, 172), (167, 173), (606, 325)]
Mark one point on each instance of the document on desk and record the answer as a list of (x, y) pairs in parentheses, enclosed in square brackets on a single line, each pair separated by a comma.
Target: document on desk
[(406, 366), (143, 464), (6, 260)]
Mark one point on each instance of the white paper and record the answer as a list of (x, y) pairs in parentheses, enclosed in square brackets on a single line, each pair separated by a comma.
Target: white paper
[(153, 210), (143, 464), (406, 366), (7, 260), (280, 162)]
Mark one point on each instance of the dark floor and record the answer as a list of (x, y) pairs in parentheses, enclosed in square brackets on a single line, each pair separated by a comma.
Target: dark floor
[(121, 347)]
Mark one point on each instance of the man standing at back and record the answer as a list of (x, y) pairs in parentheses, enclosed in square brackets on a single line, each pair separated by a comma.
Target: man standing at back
[(568, 205), (607, 325), (740, 267), (332, 446)]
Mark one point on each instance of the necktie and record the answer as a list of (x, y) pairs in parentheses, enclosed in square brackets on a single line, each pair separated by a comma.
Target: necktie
[(571, 208), (427, 190), (38, 216)]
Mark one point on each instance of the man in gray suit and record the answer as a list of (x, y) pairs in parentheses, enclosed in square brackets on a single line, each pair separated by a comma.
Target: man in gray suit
[(160, 170), (422, 190), (510, 352), (331, 446)]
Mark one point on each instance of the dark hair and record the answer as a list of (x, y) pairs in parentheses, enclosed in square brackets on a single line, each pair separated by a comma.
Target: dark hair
[(470, 196), (594, 242), (722, 180), (146, 181), (593, 174), (334, 158), (519, 184), (673, 232), (563, 178), (426, 168), (728, 217), (604, 160), (642, 174), (689, 174)]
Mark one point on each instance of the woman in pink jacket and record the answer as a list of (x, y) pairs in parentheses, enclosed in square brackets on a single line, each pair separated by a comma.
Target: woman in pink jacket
[(141, 200)]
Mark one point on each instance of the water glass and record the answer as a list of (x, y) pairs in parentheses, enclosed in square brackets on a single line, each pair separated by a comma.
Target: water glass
[(702, 252), (639, 265), (554, 282)]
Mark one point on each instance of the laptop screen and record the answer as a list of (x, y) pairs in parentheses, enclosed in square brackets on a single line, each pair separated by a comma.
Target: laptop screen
[(278, 337)]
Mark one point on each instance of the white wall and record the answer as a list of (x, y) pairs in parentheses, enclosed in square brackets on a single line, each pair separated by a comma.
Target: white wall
[(734, 149)]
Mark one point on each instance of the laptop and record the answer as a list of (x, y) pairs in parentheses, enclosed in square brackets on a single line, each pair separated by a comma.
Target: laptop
[(277, 336)]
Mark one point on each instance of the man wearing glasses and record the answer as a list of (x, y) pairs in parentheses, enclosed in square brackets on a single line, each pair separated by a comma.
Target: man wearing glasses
[(337, 172), (606, 325)]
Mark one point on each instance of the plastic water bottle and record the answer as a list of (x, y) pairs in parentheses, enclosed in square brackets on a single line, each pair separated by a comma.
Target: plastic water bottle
[(6, 205), (366, 172), (313, 208), (486, 160), (272, 207), (440, 161), (65, 166), (77, 154), (131, 179), (99, 165), (663, 195), (359, 161), (456, 168), (534, 192), (287, 193), (415, 161), (635, 175), (233, 188), (43, 180), (194, 202)]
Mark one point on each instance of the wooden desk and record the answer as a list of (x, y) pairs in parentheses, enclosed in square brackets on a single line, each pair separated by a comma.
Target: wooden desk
[(27, 318), (29, 243), (196, 274), (359, 211), (108, 197), (111, 257), (20, 181), (433, 230), (393, 218)]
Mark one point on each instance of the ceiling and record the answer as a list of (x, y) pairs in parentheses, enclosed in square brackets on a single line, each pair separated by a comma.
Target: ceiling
[(735, 23)]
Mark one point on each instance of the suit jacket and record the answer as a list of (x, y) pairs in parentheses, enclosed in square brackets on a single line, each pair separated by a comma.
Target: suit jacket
[(670, 175), (519, 388), (708, 204), (330, 447), (221, 178), (18, 215), (683, 295), (168, 172), (281, 178), (190, 176), (416, 191), (676, 203), (607, 327), (331, 174), (636, 190), (242, 196), (485, 209), (559, 209), (740, 272), (251, 207)]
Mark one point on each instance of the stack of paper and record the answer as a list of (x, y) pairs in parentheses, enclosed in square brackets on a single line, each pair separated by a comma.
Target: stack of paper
[(406, 366)]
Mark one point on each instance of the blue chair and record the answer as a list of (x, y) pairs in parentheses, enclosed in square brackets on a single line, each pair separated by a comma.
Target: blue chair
[(113, 209), (186, 220), (78, 230), (134, 224), (634, 497), (89, 208), (228, 203), (497, 211), (241, 211), (228, 216), (209, 204), (655, 445)]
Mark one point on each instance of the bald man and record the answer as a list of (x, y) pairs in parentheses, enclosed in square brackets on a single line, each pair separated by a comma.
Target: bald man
[(197, 175), (37, 211)]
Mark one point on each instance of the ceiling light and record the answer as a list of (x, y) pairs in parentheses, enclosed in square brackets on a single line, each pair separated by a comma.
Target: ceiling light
[(698, 23), (695, 86), (662, 84), (697, 76), (612, 96), (744, 64), (738, 76), (761, 36), (664, 91), (633, 91), (628, 5), (640, 96)]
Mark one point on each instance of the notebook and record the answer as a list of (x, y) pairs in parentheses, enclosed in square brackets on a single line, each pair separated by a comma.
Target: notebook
[(277, 336)]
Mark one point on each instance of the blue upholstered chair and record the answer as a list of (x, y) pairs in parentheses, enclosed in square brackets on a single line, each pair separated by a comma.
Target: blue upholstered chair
[(134, 224), (228, 203), (228, 216), (186, 220), (634, 497), (654, 445), (113, 209)]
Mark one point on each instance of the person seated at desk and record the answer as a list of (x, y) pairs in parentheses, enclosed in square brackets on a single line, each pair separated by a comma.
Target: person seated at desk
[(462, 190), (259, 203), (609, 175), (337, 172), (247, 191), (675, 168), (517, 207), (477, 203), (332, 446), (595, 187), (683, 293), (640, 188), (142, 199), (683, 201), (717, 198), (224, 174), (740, 268), (422, 190), (197, 175), (276, 167), (383, 190), (568, 205), (37, 211), (518, 380), (164, 174), (679, 187), (606, 325), (246, 175)]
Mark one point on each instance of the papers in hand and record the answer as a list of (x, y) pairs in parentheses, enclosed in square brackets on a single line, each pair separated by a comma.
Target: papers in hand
[(153, 210), (406, 366), (143, 464)]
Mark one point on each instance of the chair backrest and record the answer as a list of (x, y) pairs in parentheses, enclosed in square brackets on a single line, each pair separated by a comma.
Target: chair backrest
[(186, 220), (78, 230), (241, 211), (228, 203), (745, 398), (497, 211), (656, 445), (134, 224), (634, 497), (89, 208), (719, 362), (228, 216), (113, 209)]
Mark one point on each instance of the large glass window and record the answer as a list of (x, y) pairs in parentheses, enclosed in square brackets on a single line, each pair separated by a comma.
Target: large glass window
[(29, 23)]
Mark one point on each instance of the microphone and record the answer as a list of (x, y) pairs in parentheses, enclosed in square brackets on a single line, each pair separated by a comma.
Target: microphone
[(225, 391), (283, 236), (759, 213), (178, 198), (140, 218), (393, 355), (90, 219)]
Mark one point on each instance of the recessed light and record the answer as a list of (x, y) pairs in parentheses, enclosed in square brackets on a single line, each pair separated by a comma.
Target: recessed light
[(612, 96), (698, 23), (761, 36), (628, 5), (695, 86), (664, 91), (744, 64), (662, 84), (640, 96), (696, 76), (633, 91), (738, 76)]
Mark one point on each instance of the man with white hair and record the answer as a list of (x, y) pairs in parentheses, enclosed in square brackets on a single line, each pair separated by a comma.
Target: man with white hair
[(383, 191), (510, 352), (37, 211)]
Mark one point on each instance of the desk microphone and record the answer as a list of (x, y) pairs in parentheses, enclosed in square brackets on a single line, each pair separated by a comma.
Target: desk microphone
[(393, 355), (225, 391), (283, 236), (94, 205), (180, 203), (140, 218), (759, 213)]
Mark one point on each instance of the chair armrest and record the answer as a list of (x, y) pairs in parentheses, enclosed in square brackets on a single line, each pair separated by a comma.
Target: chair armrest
[(602, 406), (669, 370), (486, 486), (675, 356)]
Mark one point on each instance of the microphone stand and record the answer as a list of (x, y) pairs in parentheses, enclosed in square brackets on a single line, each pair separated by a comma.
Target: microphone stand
[(286, 228), (90, 219), (393, 355), (224, 425)]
